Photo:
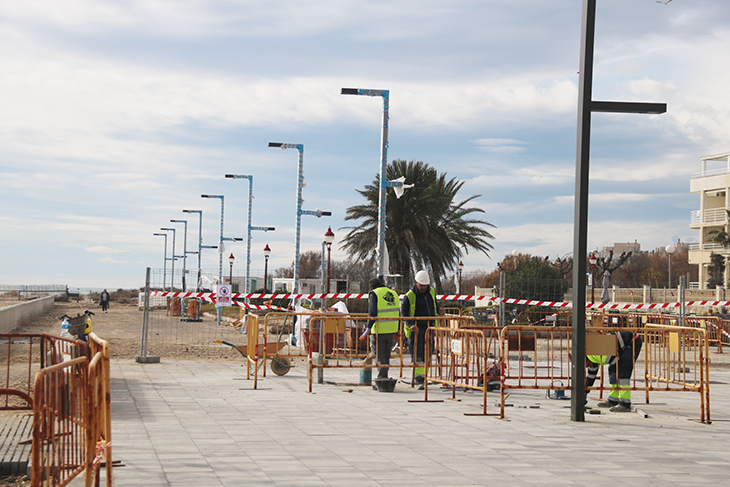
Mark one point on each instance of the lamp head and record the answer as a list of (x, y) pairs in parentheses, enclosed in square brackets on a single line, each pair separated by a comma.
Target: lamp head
[(267, 250), (329, 236)]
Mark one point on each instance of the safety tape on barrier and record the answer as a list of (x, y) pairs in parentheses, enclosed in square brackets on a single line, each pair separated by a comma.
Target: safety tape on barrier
[(447, 297)]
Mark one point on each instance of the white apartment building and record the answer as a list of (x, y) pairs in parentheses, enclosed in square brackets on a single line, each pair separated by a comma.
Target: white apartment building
[(713, 186)]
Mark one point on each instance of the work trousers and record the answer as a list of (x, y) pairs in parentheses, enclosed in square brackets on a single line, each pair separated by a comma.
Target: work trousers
[(382, 343), (620, 379)]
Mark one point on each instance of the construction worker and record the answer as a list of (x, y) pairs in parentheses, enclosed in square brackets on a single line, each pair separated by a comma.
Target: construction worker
[(629, 347), (420, 301), (383, 303)]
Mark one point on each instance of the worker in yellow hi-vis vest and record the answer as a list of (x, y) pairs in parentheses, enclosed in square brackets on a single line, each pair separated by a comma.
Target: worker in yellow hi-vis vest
[(383, 333), (420, 301)]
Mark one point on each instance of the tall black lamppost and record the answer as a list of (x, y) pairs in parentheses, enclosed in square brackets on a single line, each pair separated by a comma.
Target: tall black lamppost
[(231, 260), (329, 237), (586, 106), (267, 252), (669, 250), (593, 259), (461, 267)]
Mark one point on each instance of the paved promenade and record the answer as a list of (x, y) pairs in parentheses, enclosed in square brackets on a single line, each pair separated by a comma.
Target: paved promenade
[(183, 423)]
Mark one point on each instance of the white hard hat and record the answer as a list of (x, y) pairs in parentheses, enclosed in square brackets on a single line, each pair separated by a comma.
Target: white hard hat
[(422, 278)]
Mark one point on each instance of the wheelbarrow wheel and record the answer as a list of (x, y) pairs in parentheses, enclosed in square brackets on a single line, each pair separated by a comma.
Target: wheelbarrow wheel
[(280, 365)]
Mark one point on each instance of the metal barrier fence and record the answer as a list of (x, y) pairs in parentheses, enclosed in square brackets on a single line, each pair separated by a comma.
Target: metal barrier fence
[(350, 356), (24, 355), (542, 359), (538, 357), (460, 358), (677, 360), (72, 419), (322, 339), (70, 397)]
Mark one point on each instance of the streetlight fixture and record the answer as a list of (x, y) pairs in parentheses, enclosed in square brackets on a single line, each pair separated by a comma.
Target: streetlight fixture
[(220, 240), (670, 250), (185, 250), (586, 106), (329, 237), (231, 260), (220, 249), (172, 267), (249, 227), (164, 265), (267, 252), (461, 268), (593, 259), (318, 213), (383, 164), (198, 284)]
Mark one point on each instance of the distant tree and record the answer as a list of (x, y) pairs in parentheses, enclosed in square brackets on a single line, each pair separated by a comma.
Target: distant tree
[(651, 277), (716, 271), (310, 265), (721, 237), (536, 279), (630, 274)]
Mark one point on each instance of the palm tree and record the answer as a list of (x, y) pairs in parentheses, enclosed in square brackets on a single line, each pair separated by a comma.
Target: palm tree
[(721, 237), (425, 228)]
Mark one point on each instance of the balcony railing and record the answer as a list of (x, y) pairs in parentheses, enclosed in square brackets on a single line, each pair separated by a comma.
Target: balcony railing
[(711, 172), (711, 215), (708, 246)]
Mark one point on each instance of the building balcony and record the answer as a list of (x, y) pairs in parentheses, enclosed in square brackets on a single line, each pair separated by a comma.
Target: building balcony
[(711, 216)]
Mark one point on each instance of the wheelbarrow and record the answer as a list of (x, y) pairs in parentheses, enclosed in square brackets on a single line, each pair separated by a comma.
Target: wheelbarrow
[(279, 365)]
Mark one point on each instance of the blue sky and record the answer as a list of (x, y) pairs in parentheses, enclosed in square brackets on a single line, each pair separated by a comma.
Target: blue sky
[(117, 115)]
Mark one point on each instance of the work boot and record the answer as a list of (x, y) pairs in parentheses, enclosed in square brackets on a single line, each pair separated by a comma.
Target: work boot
[(621, 408), (606, 404)]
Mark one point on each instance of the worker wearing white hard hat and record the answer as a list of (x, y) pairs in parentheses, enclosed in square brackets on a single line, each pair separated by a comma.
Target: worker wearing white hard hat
[(420, 301)]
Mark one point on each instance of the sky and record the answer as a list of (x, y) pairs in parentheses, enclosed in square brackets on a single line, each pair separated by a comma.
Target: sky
[(117, 115)]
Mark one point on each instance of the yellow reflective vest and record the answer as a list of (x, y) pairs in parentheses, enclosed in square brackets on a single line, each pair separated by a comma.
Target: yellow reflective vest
[(388, 307), (411, 295)]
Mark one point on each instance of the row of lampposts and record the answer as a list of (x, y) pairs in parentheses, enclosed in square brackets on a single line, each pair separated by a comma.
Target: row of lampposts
[(398, 184)]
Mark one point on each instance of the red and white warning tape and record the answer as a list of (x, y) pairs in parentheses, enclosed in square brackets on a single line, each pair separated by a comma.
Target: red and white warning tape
[(447, 297)]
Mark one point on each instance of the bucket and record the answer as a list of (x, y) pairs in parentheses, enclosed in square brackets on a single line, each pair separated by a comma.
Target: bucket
[(385, 385), (366, 376)]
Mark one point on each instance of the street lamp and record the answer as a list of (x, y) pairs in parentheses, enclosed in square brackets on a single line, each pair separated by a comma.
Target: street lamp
[(461, 268), (593, 259), (248, 238), (164, 265), (220, 250), (198, 285), (318, 213), (267, 252), (383, 165), (231, 260), (185, 250), (220, 244), (172, 267), (329, 237), (586, 107), (670, 250)]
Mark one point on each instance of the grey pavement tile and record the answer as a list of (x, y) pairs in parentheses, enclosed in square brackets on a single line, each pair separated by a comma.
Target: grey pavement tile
[(180, 420)]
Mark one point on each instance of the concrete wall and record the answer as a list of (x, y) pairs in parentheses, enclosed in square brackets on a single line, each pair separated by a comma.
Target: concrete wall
[(15, 315)]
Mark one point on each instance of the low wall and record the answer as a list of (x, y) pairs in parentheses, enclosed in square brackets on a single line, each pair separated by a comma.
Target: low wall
[(15, 315)]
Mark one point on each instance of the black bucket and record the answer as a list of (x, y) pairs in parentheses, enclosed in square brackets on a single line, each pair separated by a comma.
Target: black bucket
[(385, 385)]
